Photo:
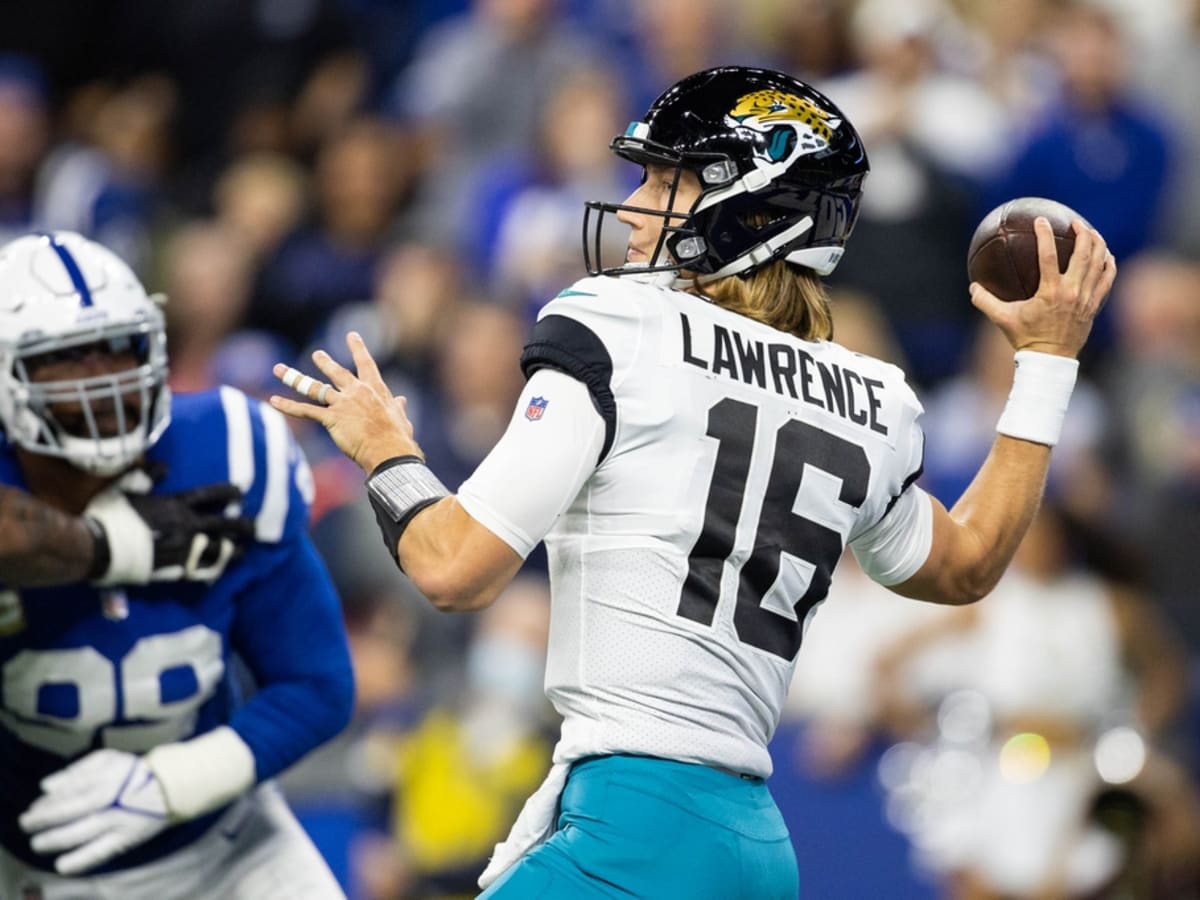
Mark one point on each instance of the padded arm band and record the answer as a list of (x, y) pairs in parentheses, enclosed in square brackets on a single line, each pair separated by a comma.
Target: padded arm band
[(399, 488)]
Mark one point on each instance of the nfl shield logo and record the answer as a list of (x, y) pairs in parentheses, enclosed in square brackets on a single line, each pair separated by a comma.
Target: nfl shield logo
[(536, 408), (114, 605)]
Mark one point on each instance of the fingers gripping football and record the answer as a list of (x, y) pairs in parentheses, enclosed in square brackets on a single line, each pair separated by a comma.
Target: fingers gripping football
[(1058, 317)]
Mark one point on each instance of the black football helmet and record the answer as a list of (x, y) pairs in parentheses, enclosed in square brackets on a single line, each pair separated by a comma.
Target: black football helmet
[(780, 168)]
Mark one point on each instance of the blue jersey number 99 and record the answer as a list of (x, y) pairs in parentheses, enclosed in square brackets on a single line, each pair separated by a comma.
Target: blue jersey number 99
[(59, 699)]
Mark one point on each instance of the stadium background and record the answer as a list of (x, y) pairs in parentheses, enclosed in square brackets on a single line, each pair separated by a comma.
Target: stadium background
[(288, 169)]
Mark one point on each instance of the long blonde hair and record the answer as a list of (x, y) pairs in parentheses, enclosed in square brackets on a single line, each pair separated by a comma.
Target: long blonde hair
[(784, 296)]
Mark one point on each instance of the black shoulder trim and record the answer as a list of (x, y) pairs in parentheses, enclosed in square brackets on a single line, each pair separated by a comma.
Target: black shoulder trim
[(905, 486), (563, 343)]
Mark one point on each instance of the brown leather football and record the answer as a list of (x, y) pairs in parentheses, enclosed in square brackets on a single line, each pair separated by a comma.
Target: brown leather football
[(1003, 252)]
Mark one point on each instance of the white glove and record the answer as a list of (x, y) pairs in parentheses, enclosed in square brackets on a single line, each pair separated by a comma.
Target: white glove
[(95, 809)]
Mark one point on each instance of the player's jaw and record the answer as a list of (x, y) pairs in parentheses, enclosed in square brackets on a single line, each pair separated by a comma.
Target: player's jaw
[(74, 420)]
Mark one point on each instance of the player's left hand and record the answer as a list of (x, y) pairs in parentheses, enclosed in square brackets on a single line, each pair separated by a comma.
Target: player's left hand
[(366, 422), (95, 809)]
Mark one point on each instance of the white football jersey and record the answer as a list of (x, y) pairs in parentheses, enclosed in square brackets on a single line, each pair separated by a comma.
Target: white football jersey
[(738, 461)]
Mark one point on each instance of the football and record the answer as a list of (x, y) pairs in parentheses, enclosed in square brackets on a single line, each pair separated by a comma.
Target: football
[(1003, 253)]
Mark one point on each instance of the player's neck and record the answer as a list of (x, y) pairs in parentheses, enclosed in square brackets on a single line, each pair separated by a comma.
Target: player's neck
[(59, 483)]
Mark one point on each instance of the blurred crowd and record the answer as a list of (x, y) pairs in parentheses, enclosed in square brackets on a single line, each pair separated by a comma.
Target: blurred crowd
[(286, 170)]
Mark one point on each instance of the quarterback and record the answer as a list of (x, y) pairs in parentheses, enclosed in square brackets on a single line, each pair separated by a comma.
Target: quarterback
[(130, 763), (696, 452)]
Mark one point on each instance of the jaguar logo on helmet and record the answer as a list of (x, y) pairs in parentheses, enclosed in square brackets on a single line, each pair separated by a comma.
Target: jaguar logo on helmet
[(792, 126)]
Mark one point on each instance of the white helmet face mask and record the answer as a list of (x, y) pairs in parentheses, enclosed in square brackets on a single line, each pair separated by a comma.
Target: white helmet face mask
[(64, 299)]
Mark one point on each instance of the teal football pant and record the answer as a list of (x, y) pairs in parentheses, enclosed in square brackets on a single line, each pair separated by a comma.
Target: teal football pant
[(654, 829)]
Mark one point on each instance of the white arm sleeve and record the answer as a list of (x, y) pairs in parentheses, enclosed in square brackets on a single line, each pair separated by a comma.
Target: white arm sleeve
[(539, 465), (892, 549)]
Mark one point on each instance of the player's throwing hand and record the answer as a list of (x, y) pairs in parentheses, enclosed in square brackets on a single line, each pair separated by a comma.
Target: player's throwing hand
[(1058, 318), (366, 422)]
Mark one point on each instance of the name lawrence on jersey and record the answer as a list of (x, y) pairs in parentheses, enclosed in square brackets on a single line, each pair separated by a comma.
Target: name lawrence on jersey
[(787, 369)]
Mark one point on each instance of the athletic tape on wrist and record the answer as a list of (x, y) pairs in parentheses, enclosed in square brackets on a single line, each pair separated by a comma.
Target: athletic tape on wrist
[(1041, 391), (203, 774), (399, 488)]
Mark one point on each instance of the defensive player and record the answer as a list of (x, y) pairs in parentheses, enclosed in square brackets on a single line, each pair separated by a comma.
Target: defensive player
[(129, 764), (696, 452)]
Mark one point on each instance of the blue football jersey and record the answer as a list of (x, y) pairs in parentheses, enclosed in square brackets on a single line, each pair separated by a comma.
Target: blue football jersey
[(133, 667)]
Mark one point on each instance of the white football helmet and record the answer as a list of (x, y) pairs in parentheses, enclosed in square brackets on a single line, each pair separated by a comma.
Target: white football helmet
[(63, 296)]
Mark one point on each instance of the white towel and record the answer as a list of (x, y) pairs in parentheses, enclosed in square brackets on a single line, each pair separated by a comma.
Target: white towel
[(533, 826)]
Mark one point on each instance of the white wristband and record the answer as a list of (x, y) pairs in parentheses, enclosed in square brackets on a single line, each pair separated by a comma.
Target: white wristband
[(203, 774), (130, 541), (1037, 404)]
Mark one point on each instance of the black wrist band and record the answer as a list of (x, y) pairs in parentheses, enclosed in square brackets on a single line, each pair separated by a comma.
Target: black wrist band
[(398, 489), (101, 552)]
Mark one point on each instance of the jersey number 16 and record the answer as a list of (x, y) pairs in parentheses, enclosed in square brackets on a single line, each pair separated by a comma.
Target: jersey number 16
[(790, 548)]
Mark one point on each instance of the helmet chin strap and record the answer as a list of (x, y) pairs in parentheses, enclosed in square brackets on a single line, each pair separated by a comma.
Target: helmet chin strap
[(760, 253), (820, 259)]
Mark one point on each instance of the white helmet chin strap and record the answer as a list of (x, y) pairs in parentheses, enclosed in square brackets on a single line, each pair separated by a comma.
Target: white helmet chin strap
[(821, 259), (761, 253)]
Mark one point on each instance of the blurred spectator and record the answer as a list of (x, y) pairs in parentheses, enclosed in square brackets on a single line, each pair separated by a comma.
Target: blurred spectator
[(465, 771), (806, 38), (333, 259), (673, 38), (404, 324), (476, 90), (478, 382), (24, 133), (329, 98), (388, 33), (1098, 149), (228, 57), (261, 198), (1176, 62), (1154, 383), (528, 216), (1070, 678), (933, 137), (108, 182), (1010, 59), (207, 278), (859, 324), (342, 792)]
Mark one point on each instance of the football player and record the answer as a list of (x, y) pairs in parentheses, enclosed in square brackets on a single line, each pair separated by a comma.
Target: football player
[(130, 764), (696, 451)]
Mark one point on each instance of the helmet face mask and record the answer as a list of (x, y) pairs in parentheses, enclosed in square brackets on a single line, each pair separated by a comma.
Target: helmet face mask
[(83, 359), (780, 172)]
